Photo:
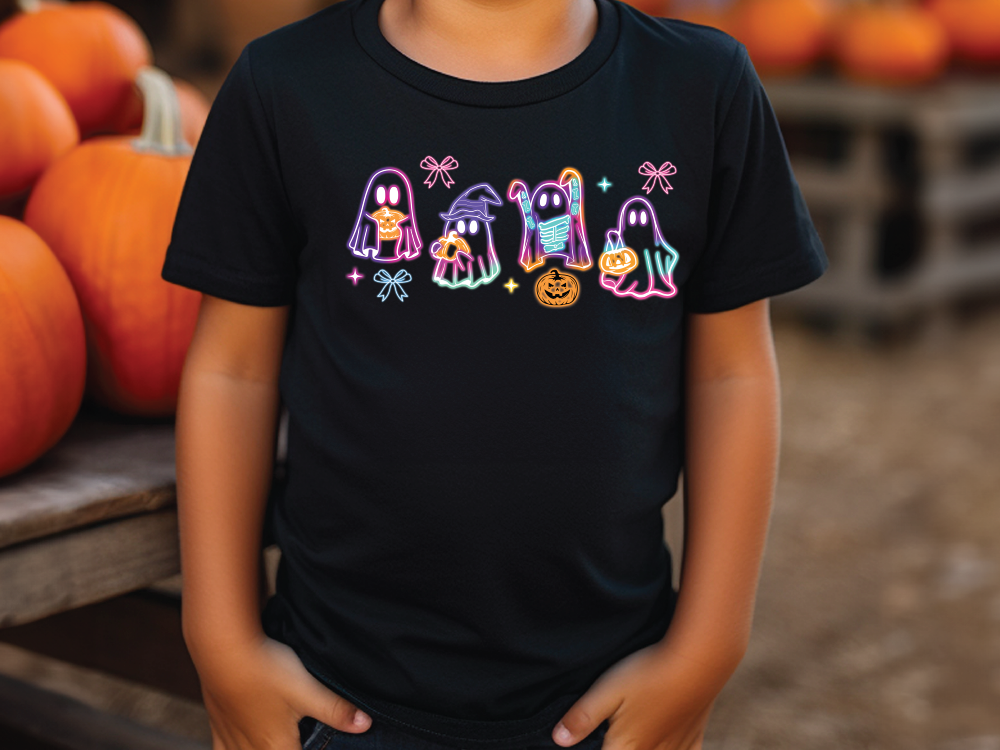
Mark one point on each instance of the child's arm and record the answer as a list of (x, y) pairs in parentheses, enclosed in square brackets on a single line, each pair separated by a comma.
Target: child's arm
[(255, 689), (661, 696)]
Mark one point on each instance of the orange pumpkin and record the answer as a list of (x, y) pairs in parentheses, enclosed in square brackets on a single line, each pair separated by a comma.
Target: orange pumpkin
[(973, 27), (107, 209), (194, 112), (782, 36), (890, 44), (90, 51), (443, 245), (36, 126), (700, 12), (557, 288), (42, 352), (619, 260)]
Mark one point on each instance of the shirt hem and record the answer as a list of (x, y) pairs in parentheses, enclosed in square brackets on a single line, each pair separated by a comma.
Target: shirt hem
[(490, 734), (500, 734), (197, 277)]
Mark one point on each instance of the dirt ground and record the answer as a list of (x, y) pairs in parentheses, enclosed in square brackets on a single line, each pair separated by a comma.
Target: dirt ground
[(878, 617)]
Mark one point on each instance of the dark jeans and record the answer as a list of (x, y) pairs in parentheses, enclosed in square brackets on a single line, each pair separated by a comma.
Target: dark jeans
[(315, 735)]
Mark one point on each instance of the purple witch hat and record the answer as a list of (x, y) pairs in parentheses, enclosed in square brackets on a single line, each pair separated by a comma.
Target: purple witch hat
[(467, 226), (470, 206)]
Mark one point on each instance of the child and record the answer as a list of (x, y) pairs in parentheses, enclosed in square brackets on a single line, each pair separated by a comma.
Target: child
[(507, 264)]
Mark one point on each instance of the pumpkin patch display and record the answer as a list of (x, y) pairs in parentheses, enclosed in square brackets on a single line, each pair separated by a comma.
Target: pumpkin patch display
[(557, 288), (42, 349), (107, 209), (36, 126), (973, 27), (194, 112), (90, 51), (782, 36), (716, 15), (890, 44)]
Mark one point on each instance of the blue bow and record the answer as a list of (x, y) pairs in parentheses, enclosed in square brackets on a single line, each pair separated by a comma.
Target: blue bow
[(392, 283)]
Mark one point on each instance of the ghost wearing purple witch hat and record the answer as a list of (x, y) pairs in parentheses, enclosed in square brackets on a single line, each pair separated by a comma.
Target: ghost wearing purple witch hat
[(464, 253), (386, 227)]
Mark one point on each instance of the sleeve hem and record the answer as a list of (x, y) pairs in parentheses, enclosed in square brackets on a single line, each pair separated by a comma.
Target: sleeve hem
[(771, 280), (226, 286)]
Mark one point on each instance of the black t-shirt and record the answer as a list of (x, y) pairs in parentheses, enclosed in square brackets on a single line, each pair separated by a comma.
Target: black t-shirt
[(483, 363)]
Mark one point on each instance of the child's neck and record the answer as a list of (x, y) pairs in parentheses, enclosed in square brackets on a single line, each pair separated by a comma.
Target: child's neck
[(489, 40)]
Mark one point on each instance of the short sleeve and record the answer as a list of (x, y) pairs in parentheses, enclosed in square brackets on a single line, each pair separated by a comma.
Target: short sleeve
[(234, 235), (760, 240)]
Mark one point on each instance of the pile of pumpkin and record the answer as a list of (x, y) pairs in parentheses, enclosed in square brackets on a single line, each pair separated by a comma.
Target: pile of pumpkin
[(885, 42), (95, 145)]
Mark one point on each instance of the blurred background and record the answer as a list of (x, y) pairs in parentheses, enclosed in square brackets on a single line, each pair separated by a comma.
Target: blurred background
[(878, 616)]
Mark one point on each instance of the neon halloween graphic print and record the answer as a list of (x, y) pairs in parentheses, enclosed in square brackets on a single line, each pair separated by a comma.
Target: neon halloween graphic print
[(657, 176), (464, 253), (392, 283), (439, 168), (386, 227), (552, 224), (557, 288), (637, 261)]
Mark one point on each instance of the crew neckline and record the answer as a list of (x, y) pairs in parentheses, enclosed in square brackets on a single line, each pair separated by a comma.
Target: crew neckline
[(488, 93)]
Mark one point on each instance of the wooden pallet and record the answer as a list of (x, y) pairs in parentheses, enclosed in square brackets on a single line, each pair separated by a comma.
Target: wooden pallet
[(904, 188)]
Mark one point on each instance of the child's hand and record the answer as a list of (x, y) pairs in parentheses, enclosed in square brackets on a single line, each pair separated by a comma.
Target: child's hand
[(654, 699), (257, 691)]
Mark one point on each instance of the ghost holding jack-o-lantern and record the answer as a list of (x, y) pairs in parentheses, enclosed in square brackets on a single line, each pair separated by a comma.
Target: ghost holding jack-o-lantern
[(386, 227), (637, 261)]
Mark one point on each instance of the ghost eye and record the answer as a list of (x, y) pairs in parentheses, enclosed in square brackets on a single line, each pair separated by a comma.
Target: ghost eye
[(380, 194), (631, 216), (555, 199), (473, 226), (543, 199), (461, 226), (642, 218), (394, 194)]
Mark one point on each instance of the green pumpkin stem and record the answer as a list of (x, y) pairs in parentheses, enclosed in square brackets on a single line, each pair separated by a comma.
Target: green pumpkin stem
[(33, 6), (161, 119)]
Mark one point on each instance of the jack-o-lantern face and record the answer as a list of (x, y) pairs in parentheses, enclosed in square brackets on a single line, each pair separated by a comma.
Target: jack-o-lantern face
[(388, 223), (619, 261), (443, 246), (557, 288)]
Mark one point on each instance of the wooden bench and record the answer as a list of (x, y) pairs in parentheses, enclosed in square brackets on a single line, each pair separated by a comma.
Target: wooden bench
[(89, 565)]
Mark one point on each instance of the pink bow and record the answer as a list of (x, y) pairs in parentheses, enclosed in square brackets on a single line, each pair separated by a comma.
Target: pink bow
[(657, 175), (436, 169)]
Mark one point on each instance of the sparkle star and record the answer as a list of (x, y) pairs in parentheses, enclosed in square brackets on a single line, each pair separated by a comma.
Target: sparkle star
[(604, 184), (354, 276), (511, 285)]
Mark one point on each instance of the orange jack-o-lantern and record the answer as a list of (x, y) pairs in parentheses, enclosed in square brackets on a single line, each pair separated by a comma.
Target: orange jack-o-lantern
[(453, 240), (557, 288), (388, 223), (619, 261)]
